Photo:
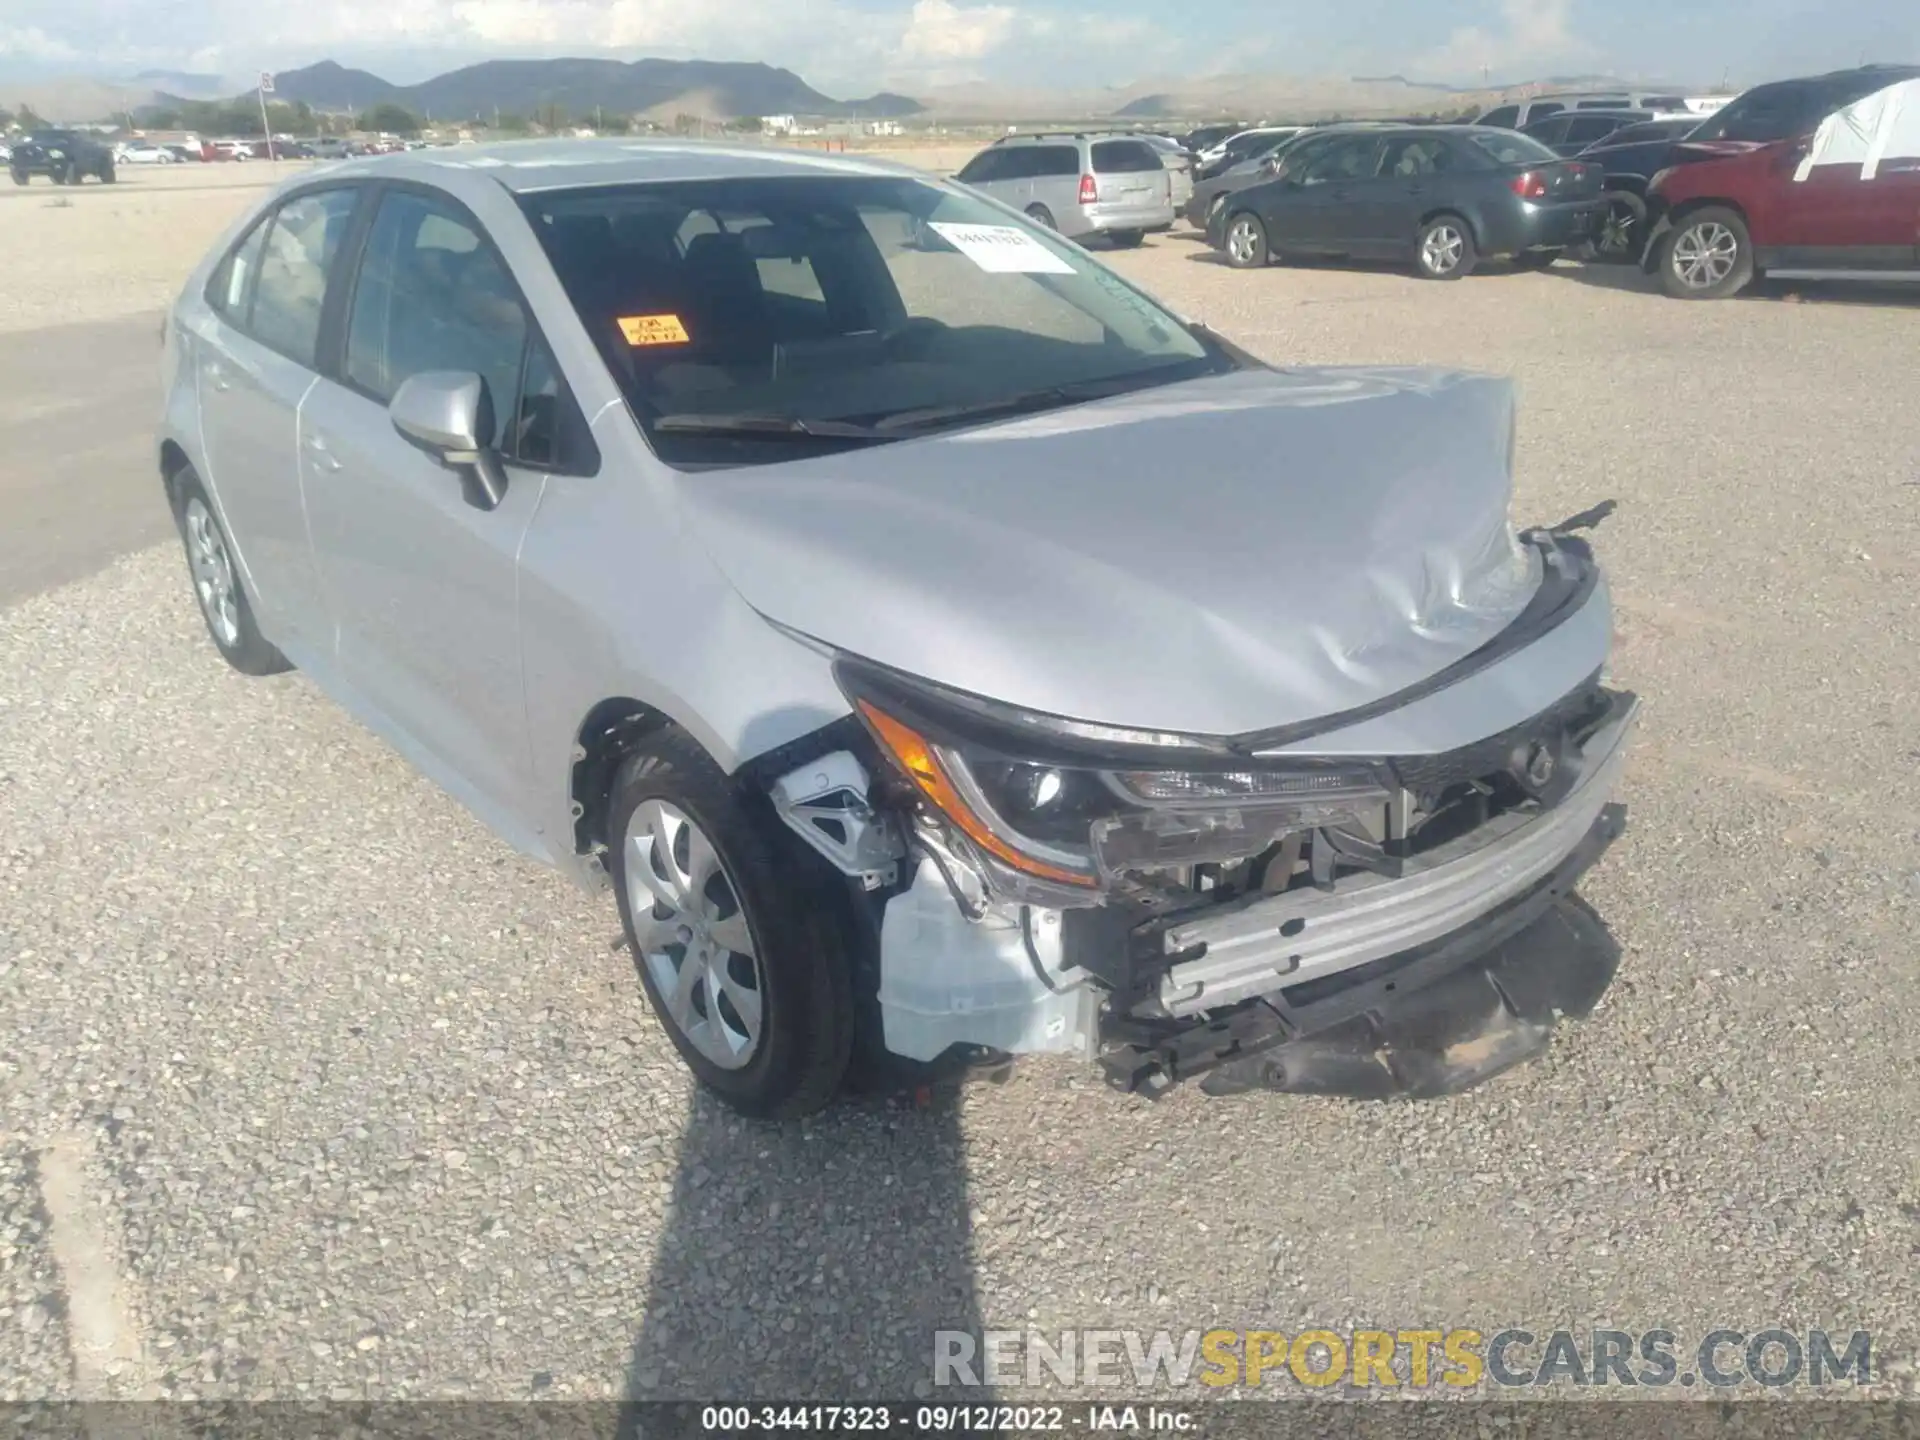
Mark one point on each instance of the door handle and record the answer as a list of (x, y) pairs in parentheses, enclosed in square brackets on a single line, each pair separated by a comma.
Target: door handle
[(218, 376), (323, 458)]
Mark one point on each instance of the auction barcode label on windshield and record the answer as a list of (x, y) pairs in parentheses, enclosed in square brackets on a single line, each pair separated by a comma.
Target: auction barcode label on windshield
[(1002, 249)]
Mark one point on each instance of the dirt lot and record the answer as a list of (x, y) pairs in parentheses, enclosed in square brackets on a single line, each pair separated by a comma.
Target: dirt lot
[(312, 1088)]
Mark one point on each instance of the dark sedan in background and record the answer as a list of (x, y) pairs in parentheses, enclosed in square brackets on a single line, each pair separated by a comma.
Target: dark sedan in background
[(1440, 196), (1572, 131)]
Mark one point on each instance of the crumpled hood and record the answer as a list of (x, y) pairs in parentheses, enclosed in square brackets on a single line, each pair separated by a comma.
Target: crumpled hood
[(1218, 556)]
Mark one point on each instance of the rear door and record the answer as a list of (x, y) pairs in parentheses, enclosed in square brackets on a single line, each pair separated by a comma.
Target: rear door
[(421, 583), (254, 368), (1415, 171)]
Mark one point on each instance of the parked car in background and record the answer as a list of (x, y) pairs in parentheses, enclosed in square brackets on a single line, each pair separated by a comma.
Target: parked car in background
[(230, 150), (6, 152), (1836, 198), (1210, 194), (1627, 160), (330, 147), (1079, 183), (1520, 114), (1572, 131), (1337, 759), (1246, 145), (66, 157), (145, 152), (1205, 137), (196, 151), (1440, 196), (1178, 164)]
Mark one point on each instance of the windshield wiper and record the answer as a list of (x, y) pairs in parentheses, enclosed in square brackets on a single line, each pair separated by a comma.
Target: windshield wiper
[(766, 426), (1046, 398)]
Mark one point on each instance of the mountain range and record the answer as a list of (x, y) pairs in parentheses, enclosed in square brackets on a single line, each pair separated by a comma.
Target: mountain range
[(659, 88)]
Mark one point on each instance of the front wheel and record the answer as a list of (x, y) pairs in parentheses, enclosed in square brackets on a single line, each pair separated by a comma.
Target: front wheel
[(216, 583), (1246, 242), (1445, 249), (20, 177), (1706, 256), (747, 969), (1622, 229)]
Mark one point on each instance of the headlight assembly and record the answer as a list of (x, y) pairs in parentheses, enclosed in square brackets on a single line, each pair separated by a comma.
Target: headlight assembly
[(1067, 804)]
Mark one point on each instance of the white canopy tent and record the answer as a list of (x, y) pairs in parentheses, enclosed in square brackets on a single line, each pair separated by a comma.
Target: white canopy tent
[(1882, 127)]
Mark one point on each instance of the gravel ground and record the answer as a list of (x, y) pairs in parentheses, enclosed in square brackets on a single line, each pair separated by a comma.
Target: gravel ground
[(383, 1113)]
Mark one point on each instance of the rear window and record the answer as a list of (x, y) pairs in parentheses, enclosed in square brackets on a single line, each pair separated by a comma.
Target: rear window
[(1504, 116), (1123, 157), (1509, 147)]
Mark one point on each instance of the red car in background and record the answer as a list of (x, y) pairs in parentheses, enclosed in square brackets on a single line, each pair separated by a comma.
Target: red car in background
[(1814, 178)]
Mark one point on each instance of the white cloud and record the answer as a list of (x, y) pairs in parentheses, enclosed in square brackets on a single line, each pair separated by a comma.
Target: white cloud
[(1530, 33), (940, 31)]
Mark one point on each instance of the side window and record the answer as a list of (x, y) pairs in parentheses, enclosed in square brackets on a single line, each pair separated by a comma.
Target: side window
[(1413, 157), (1541, 109), (1504, 117), (432, 296), (295, 261), (540, 426), (983, 167), (231, 289), (1055, 160), (1589, 128), (1346, 159)]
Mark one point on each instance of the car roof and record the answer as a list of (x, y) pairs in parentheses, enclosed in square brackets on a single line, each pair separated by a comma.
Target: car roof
[(528, 166)]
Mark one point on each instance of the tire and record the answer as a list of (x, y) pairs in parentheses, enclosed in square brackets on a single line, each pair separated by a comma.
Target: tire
[(1444, 249), (107, 176), (1535, 259), (1244, 242), (1126, 239), (1707, 255), (20, 177), (1623, 229), (1042, 216), (216, 583), (667, 797)]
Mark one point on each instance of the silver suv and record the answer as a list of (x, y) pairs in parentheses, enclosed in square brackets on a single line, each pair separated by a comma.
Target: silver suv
[(1078, 184)]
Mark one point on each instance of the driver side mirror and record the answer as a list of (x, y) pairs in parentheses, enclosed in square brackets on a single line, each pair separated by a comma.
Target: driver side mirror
[(449, 414)]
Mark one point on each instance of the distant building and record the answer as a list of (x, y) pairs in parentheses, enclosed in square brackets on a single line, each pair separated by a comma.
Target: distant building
[(886, 127), (779, 124)]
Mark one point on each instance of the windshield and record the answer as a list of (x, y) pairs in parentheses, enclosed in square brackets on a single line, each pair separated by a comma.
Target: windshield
[(1509, 147), (744, 318)]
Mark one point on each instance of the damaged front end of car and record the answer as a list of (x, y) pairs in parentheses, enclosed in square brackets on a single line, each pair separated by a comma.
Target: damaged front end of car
[(1266, 910)]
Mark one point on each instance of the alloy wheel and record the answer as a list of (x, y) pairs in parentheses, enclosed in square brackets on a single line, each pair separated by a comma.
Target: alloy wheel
[(693, 934), (1704, 255), (1242, 243), (213, 578), (1617, 232), (1440, 252)]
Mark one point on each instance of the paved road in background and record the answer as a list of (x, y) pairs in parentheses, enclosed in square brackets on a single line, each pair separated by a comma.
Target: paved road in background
[(77, 483)]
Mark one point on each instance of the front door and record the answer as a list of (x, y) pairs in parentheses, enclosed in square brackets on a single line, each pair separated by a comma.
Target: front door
[(421, 584), (1337, 187)]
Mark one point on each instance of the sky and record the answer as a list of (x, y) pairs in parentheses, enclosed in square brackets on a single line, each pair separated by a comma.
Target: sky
[(853, 47)]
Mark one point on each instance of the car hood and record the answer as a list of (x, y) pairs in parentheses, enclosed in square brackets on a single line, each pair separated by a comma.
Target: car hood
[(1217, 556)]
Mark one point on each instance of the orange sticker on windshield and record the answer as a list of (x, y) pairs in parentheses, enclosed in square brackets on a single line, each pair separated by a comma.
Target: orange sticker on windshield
[(653, 329)]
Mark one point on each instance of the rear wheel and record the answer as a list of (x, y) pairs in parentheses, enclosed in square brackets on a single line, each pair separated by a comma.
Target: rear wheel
[(746, 967), (1040, 215), (1246, 242), (106, 172), (1706, 256), (1535, 259), (20, 177), (216, 583), (1445, 249)]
